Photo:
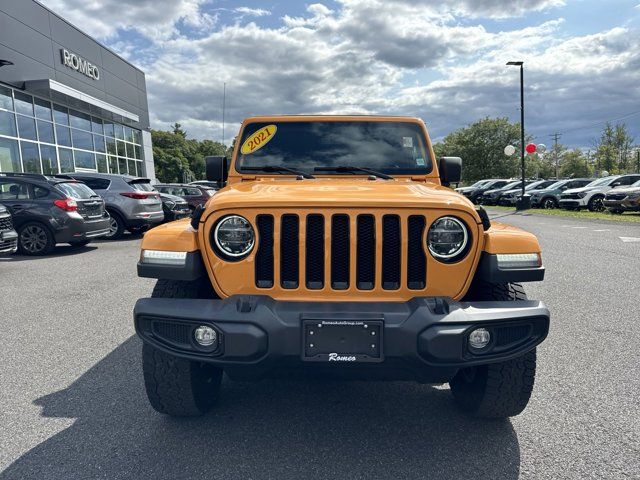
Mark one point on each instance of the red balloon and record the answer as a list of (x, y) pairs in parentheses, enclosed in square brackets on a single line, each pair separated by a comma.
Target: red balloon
[(531, 148)]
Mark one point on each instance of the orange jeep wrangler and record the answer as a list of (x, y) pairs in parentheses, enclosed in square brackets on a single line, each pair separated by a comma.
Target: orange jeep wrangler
[(338, 249)]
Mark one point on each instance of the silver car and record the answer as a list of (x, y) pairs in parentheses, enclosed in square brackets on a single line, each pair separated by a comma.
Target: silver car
[(131, 201)]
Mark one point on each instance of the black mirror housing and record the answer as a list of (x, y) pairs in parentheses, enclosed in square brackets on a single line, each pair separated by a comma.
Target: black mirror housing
[(216, 169), (450, 170)]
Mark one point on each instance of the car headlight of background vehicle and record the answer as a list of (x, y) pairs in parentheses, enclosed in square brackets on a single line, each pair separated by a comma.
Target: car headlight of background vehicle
[(633, 196), (448, 239), (233, 237), (169, 204), (582, 194)]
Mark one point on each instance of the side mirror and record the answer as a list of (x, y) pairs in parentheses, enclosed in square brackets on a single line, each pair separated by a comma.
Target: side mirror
[(216, 169), (450, 169)]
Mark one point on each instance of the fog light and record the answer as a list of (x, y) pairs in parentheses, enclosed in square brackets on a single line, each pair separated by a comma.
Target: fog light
[(479, 338), (205, 336)]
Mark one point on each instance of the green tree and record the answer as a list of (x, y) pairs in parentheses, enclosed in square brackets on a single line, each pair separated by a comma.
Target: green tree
[(481, 146), (177, 158), (614, 149), (574, 164)]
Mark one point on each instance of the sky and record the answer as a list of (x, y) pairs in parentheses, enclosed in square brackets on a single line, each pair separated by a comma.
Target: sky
[(443, 61)]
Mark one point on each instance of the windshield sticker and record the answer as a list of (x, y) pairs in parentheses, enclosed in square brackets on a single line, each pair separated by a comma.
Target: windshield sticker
[(407, 142), (259, 139), (420, 161)]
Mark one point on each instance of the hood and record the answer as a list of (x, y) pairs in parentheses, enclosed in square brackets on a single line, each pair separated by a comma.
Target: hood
[(540, 191), (338, 193), (587, 189), (494, 191), (625, 190)]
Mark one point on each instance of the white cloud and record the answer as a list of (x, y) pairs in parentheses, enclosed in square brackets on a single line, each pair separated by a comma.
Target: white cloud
[(252, 12), (436, 60)]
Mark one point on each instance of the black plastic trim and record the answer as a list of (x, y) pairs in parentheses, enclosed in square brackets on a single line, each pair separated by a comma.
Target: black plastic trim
[(489, 271), (192, 269)]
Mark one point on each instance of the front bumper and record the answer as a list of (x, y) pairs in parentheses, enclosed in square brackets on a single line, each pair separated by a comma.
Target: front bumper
[(626, 205), (424, 338), (8, 241), (572, 203)]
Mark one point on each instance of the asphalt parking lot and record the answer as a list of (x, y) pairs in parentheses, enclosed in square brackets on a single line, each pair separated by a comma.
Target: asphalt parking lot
[(72, 403)]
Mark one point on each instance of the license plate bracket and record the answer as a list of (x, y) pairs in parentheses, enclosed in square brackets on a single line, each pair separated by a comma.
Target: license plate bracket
[(342, 341)]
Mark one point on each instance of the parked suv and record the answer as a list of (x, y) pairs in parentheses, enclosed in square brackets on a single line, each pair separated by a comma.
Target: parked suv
[(195, 195), (510, 197), (316, 260), (174, 207), (621, 200), (8, 236), (592, 195), (492, 196), (131, 201), (549, 197), (50, 210), (474, 193)]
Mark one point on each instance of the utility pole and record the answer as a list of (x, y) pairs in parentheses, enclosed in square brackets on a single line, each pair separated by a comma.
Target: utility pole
[(224, 102), (638, 160), (555, 137)]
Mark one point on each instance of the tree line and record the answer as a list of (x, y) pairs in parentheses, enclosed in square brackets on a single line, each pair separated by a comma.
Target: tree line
[(481, 146)]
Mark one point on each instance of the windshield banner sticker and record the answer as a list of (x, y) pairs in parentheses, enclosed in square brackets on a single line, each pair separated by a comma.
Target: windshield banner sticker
[(259, 139)]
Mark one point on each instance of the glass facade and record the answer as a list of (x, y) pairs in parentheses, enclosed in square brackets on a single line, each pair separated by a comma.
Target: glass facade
[(38, 136)]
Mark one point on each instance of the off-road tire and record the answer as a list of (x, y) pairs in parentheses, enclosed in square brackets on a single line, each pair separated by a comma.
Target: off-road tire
[(595, 203), (175, 386), (496, 390), (179, 387)]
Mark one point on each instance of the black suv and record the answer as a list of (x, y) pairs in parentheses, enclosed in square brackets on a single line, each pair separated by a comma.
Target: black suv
[(47, 211)]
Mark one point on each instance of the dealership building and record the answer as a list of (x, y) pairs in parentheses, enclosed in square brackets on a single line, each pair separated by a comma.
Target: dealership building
[(67, 103)]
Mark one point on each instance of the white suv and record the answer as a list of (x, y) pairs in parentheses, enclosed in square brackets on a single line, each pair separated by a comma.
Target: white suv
[(592, 195)]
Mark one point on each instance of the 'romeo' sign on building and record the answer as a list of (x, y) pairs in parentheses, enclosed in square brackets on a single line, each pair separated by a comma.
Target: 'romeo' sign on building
[(79, 64)]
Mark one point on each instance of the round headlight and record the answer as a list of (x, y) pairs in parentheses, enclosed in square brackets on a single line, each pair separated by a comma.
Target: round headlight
[(234, 236), (447, 239)]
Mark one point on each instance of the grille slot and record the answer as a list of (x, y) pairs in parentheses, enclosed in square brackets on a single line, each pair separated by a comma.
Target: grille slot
[(264, 255), (508, 335), (6, 223), (340, 251), (172, 332), (289, 246), (314, 254), (366, 252), (391, 245), (417, 264)]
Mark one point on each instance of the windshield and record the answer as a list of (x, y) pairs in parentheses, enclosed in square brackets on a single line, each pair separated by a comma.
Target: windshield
[(479, 183), (636, 184), (510, 186), (553, 186), (387, 147), (601, 181), (76, 190)]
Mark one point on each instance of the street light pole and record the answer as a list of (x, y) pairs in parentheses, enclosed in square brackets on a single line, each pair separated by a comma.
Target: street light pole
[(521, 65)]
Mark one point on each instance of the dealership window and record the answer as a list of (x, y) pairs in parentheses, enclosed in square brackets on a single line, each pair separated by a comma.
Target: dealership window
[(31, 128), (6, 99), (8, 124), (9, 156), (49, 159), (30, 157)]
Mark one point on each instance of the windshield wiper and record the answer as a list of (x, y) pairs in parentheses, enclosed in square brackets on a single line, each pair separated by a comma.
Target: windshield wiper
[(352, 169), (278, 169)]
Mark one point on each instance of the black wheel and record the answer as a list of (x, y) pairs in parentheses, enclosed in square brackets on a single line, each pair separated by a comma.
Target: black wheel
[(35, 239), (496, 390), (596, 203), (175, 386), (80, 243), (549, 203), (116, 227)]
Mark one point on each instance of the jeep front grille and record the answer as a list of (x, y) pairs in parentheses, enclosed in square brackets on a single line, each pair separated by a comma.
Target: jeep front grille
[(340, 249)]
